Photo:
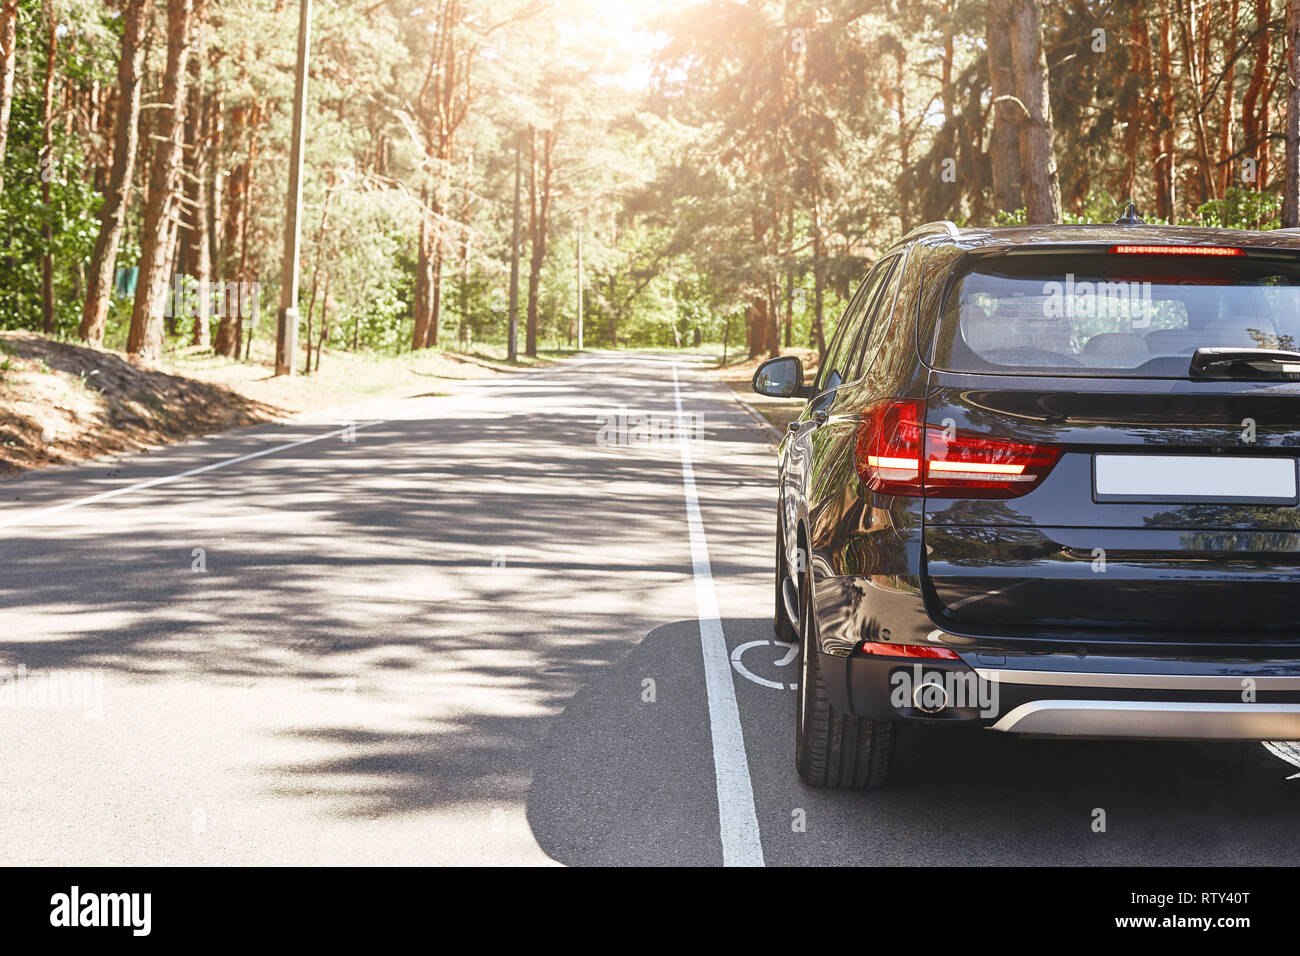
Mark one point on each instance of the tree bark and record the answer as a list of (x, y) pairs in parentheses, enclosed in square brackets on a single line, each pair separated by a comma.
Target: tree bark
[(1163, 146), (904, 138), (1139, 41), (1004, 144), (1041, 186), (539, 212), (423, 275), (1291, 190), (8, 60), (819, 326), (1224, 171), (1254, 107), (126, 138), (199, 253), (146, 335), (47, 168), (1194, 74)]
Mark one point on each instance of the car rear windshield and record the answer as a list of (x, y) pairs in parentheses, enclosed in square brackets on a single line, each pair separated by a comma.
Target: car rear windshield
[(1113, 315)]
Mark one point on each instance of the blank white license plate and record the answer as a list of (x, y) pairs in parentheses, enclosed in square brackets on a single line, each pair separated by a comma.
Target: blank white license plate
[(1211, 478)]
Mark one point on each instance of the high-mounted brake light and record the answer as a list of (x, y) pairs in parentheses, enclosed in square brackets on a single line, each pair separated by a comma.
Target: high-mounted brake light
[(1178, 250), (889, 457), (910, 650)]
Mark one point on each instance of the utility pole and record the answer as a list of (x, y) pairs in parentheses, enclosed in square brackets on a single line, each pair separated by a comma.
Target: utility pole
[(512, 350), (579, 285), (286, 340)]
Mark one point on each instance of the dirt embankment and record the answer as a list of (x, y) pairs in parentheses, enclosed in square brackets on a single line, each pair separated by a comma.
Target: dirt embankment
[(63, 403), (778, 412)]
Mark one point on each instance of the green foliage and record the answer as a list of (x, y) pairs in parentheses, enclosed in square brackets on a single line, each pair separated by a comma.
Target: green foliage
[(1242, 209), (70, 216)]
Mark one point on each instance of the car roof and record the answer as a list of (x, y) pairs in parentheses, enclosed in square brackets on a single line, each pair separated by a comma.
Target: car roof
[(1102, 234)]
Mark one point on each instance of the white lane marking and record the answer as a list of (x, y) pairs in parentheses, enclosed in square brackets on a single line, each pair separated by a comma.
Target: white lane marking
[(1288, 750), (738, 821), (167, 479)]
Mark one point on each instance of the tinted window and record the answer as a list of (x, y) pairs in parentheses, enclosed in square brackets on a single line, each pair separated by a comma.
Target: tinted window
[(1116, 316), (880, 319), (841, 358)]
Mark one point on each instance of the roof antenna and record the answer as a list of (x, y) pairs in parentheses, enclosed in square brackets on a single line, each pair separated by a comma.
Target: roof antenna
[(1130, 217)]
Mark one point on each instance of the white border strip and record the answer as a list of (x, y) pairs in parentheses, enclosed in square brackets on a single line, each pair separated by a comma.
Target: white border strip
[(167, 479), (741, 843)]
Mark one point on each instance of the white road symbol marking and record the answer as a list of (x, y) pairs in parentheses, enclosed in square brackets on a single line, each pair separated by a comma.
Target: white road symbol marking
[(737, 819), (1288, 750), (166, 479), (745, 672)]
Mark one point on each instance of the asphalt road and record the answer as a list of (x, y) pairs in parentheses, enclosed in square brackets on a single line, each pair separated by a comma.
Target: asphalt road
[(479, 629)]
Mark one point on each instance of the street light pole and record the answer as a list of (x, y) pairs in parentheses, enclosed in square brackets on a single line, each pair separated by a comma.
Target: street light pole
[(286, 340)]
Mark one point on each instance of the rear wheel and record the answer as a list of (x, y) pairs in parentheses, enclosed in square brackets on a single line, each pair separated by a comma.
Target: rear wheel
[(833, 749), (782, 626)]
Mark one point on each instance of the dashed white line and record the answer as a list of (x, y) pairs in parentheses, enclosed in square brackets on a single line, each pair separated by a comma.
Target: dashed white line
[(738, 821)]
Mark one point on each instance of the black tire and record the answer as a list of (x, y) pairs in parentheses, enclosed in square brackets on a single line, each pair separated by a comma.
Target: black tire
[(782, 626), (832, 749)]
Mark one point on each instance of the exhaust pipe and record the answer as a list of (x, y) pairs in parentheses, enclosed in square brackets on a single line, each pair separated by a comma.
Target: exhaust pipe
[(930, 698)]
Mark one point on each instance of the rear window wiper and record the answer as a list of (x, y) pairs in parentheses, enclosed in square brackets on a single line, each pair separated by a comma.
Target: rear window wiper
[(1243, 363)]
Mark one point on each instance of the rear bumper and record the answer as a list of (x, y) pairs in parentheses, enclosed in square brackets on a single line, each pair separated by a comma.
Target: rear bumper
[(1064, 695), (1153, 719)]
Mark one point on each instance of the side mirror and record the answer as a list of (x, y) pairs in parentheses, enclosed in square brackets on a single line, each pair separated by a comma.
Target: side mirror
[(780, 378)]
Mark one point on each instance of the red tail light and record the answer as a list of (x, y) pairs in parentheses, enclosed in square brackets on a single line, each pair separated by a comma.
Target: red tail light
[(954, 465), (1178, 250), (889, 447), (910, 650)]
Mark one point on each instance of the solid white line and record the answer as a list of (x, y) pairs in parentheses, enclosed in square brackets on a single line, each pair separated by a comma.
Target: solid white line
[(166, 479), (741, 844)]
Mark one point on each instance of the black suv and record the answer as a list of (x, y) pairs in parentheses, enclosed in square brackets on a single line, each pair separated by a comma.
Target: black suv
[(1046, 483)]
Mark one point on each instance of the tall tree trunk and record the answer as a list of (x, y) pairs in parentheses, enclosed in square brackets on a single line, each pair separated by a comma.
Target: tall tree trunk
[(1291, 191), (1139, 41), (539, 212), (1041, 186), (1163, 152), (126, 129), (216, 192), (8, 60), (146, 335), (1224, 171), (1004, 144), (199, 253), (435, 303), (423, 275), (465, 251), (238, 191), (904, 138), (1254, 107), (789, 277), (819, 326), (47, 167), (1195, 72), (613, 314)]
